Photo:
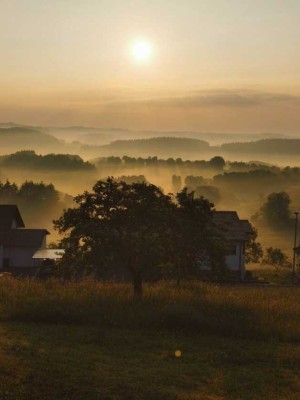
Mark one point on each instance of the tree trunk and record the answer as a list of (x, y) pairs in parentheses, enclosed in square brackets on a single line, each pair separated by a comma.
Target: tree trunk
[(137, 286), (178, 277), (137, 281)]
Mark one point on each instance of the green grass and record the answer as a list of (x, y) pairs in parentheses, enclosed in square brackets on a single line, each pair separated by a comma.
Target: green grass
[(90, 341)]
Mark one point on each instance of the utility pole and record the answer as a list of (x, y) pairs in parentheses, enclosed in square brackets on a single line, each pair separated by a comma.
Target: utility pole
[(295, 244)]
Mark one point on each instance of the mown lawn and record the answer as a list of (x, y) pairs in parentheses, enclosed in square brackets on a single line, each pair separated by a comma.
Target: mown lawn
[(130, 354)]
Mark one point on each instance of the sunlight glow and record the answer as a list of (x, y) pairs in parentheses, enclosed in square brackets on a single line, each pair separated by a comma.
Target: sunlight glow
[(142, 51)]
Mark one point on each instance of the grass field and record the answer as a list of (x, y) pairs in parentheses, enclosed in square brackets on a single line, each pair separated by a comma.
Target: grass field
[(267, 273), (91, 341)]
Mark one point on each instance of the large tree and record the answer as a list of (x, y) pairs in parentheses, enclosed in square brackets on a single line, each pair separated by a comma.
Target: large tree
[(276, 210), (139, 227), (217, 163), (195, 239)]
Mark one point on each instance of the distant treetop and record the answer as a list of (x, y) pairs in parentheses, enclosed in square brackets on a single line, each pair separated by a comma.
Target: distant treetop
[(29, 159)]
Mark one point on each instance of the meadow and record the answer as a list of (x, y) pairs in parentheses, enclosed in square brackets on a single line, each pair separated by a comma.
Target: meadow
[(90, 340)]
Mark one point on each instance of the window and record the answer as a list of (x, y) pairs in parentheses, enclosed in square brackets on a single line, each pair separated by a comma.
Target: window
[(231, 250)]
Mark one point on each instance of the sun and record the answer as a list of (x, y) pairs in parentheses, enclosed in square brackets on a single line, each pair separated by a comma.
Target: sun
[(142, 51)]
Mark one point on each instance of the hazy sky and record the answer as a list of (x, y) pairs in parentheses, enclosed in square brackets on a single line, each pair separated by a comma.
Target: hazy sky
[(216, 65)]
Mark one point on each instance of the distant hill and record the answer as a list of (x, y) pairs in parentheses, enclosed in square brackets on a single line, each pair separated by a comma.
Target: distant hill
[(264, 146), (17, 138), (12, 125), (78, 133), (90, 142), (278, 151), (97, 136), (214, 138), (160, 146), (97, 139)]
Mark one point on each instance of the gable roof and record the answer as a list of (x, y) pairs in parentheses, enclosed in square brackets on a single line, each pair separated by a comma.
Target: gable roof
[(26, 238), (233, 227), (10, 212)]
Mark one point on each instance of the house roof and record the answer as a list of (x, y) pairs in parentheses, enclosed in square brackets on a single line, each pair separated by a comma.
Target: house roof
[(235, 228), (247, 226), (26, 238), (51, 254), (10, 212)]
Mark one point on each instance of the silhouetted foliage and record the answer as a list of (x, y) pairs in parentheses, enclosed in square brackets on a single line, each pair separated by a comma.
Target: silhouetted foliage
[(275, 211), (176, 183), (239, 166), (196, 166), (253, 251), (29, 192), (192, 182), (157, 146), (131, 179), (113, 160), (276, 258), (264, 146), (217, 163), (196, 240), (140, 228), (30, 160), (245, 177), (36, 201), (211, 193)]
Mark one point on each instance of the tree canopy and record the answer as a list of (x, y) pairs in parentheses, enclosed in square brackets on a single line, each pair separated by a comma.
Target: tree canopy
[(139, 227), (39, 202), (276, 258), (217, 163), (253, 251), (276, 210)]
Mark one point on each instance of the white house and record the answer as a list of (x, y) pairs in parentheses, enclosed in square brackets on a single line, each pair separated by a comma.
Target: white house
[(17, 244), (237, 233)]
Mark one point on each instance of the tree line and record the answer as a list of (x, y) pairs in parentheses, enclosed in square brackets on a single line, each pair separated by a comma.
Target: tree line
[(38, 202), (215, 163), (28, 159)]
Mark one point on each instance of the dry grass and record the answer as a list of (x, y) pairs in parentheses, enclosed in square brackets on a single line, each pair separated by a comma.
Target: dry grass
[(91, 341), (244, 312)]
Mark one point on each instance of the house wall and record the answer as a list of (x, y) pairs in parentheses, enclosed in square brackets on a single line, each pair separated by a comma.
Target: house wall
[(236, 262), (1, 256), (44, 243), (21, 257)]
